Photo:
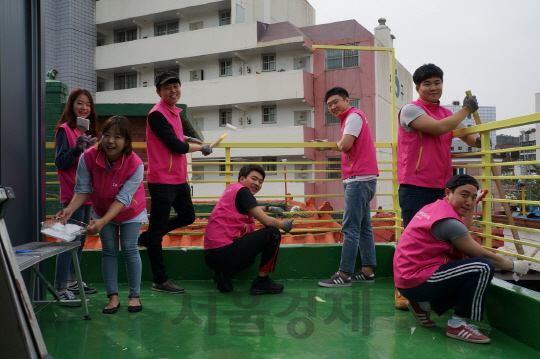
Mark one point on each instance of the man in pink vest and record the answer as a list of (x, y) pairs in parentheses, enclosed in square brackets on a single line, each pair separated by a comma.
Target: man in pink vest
[(425, 130), (167, 175), (359, 168), (230, 242), (431, 268)]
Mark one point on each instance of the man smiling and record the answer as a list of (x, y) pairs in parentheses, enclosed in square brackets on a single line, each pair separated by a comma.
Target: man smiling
[(230, 242)]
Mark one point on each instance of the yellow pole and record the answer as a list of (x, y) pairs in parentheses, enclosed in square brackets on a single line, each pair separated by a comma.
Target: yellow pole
[(227, 166), (523, 198)]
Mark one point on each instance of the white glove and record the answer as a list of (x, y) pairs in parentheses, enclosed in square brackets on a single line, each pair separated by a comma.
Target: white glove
[(521, 267)]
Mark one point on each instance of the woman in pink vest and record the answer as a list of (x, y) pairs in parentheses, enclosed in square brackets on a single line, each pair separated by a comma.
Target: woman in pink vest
[(111, 175), (431, 268), (70, 143)]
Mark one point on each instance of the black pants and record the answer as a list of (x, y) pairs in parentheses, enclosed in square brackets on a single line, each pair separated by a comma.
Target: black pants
[(163, 197), (463, 284), (241, 253), (413, 198)]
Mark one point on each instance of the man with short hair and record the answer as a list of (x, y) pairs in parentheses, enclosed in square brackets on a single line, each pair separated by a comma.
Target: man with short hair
[(359, 168), (424, 163), (431, 268), (230, 242), (167, 175)]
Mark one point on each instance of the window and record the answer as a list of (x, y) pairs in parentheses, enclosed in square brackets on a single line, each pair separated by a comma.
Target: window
[(333, 166), (331, 120), (225, 67), (197, 176), (224, 17), (225, 117), (460, 148), (269, 114), (270, 167), (269, 62), (451, 148), (166, 28), (125, 35), (223, 168), (469, 149), (196, 25), (341, 59), (303, 175), (125, 81), (176, 70)]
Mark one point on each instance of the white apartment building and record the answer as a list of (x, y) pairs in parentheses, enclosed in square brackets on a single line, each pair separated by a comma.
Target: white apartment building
[(487, 114), (249, 63)]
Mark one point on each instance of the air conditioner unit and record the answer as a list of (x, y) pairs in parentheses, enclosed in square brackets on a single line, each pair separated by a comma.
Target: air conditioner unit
[(196, 75)]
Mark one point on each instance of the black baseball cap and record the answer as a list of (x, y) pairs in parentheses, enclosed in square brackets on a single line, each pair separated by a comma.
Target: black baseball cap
[(166, 77), (460, 180)]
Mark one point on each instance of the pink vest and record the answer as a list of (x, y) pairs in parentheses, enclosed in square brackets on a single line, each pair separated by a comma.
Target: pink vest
[(68, 176), (164, 165), (418, 253), (360, 160), (225, 223), (424, 159), (106, 185)]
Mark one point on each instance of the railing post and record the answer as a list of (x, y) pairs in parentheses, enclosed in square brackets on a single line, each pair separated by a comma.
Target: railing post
[(227, 166), (395, 185), (486, 184)]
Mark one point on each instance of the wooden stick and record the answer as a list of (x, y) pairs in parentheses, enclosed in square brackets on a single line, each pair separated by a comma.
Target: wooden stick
[(498, 184)]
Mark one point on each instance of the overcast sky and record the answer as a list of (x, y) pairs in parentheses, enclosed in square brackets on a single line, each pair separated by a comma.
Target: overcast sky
[(491, 47)]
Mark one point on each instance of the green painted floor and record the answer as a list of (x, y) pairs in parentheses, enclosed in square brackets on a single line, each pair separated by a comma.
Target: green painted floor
[(305, 321)]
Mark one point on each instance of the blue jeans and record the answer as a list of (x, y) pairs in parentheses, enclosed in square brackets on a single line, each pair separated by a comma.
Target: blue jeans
[(413, 198), (65, 271), (357, 230), (129, 233)]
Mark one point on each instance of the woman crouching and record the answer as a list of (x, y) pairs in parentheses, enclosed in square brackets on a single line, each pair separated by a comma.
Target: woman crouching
[(111, 175)]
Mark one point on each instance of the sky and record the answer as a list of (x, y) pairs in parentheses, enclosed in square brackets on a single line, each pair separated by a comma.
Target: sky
[(491, 47)]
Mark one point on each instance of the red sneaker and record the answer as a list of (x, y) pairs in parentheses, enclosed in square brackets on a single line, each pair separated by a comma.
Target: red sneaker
[(468, 333), (422, 316)]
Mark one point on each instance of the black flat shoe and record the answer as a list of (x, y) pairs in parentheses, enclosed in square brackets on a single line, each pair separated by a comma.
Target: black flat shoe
[(110, 310), (134, 308)]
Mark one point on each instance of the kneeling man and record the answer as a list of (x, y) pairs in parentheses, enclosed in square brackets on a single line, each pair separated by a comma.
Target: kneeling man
[(430, 265), (231, 245)]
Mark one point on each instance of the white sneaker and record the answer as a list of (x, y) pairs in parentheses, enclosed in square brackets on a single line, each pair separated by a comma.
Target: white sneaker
[(67, 295)]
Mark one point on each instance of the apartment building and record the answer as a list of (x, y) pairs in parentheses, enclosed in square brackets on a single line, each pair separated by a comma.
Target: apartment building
[(250, 63)]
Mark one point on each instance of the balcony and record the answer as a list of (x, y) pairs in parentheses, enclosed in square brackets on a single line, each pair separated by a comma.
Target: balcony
[(262, 88)]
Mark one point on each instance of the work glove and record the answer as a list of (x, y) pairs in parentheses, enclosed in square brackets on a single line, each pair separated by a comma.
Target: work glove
[(520, 267), (193, 140), (92, 141), (81, 143), (277, 210), (206, 150), (287, 225), (471, 103)]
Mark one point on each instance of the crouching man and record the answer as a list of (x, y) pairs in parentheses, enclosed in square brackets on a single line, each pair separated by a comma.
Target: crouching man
[(430, 267), (231, 245)]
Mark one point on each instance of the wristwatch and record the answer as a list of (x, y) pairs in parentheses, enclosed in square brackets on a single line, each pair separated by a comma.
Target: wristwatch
[(266, 207)]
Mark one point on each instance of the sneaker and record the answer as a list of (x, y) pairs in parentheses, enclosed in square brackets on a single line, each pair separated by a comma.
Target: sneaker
[(67, 295), (143, 239), (223, 281), (266, 286), (421, 315), (167, 287), (400, 302), (360, 277), (74, 287), (468, 333), (336, 281)]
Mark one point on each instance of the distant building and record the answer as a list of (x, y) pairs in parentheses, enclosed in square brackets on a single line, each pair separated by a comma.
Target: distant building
[(487, 114)]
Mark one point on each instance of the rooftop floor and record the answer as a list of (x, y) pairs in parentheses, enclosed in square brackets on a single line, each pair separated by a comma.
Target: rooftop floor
[(305, 321)]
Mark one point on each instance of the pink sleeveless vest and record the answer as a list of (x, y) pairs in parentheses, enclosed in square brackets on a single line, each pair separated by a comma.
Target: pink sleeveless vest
[(225, 223), (424, 159), (361, 159), (106, 185), (418, 253), (68, 176), (164, 165)]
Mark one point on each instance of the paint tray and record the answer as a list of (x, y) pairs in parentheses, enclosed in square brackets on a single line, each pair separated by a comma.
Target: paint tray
[(66, 233)]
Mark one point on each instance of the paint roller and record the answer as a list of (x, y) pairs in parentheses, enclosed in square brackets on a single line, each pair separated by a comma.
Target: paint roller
[(231, 128)]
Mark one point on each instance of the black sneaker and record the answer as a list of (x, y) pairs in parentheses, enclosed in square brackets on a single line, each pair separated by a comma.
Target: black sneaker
[(143, 239), (266, 286), (360, 277), (167, 287), (74, 287), (66, 295), (223, 281)]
